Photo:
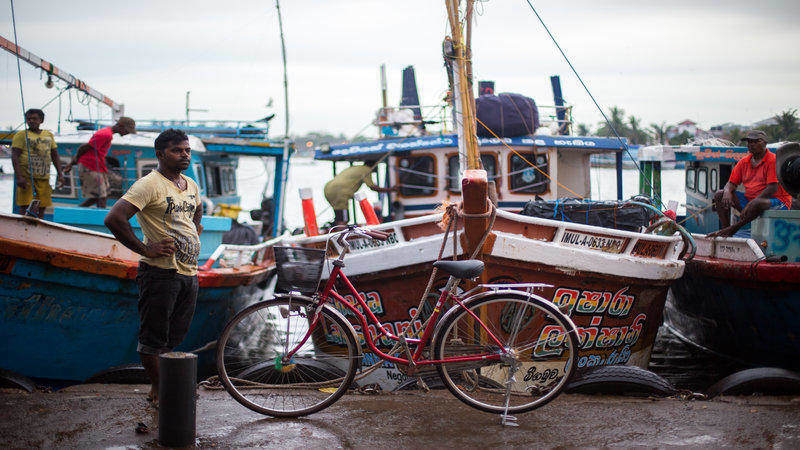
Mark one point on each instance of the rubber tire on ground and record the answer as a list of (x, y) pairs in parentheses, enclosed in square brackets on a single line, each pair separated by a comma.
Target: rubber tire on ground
[(226, 383), (124, 374), (772, 380), (13, 380), (620, 380), (446, 322)]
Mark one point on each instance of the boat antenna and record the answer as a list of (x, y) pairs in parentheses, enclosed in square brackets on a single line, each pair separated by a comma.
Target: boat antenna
[(608, 122), (278, 223)]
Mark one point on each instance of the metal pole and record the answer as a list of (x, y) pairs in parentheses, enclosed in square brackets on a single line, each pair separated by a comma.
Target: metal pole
[(177, 393), (285, 166)]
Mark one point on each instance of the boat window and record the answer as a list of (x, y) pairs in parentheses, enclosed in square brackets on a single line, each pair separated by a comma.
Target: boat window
[(116, 177), (488, 160), (702, 181), (228, 178), (213, 187), (67, 190), (724, 174), (146, 167), (417, 176), (198, 173), (524, 179), (713, 181), (690, 179)]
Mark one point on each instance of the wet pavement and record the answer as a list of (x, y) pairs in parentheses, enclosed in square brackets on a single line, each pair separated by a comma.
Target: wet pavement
[(95, 415)]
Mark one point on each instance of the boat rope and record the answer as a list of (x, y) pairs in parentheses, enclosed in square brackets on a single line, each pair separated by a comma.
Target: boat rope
[(529, 163), (29, 211), (608, 122)]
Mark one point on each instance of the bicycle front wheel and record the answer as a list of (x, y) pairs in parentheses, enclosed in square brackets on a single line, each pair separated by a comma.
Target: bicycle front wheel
[(537, 357), (254, 366)]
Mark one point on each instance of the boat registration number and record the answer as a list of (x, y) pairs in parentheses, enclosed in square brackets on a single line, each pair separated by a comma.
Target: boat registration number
[(603, 243), (362, 245)]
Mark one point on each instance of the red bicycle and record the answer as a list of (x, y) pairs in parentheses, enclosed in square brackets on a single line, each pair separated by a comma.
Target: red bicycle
[(498, 348)]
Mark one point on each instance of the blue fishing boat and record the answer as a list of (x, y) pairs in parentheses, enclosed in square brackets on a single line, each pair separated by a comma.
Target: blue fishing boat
[(740, 295), (68, 296)]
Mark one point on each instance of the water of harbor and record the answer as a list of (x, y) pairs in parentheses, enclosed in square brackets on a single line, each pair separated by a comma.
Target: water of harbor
[(682, 365)]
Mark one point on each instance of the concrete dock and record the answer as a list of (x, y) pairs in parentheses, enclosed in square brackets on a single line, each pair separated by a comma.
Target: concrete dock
[(95, 415)]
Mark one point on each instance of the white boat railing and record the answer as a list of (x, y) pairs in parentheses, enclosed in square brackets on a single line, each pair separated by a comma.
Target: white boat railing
[(231, 255)]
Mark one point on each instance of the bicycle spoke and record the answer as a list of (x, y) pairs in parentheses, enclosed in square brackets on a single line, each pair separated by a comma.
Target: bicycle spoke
[(255, 369), (518, 379)]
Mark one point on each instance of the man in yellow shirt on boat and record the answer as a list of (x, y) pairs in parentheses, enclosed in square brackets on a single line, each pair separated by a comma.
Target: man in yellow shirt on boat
[(344, 185), (32, 152)]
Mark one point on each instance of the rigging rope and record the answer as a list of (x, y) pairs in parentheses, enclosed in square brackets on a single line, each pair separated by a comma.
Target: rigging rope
[(22, 101), (608, 122)]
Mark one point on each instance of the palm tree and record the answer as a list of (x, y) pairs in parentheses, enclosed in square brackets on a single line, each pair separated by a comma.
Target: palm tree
[(583, 130), (635, 132), (659, 132), (735, 135), (786, 125), (617, 121)]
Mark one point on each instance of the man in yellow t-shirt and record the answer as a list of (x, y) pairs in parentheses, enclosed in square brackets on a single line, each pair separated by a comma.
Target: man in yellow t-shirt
[(344, 185), (32, 152), (168, 207)]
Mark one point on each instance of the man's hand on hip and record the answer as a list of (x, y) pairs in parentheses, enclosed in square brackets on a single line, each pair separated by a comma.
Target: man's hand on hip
[(158, 249)]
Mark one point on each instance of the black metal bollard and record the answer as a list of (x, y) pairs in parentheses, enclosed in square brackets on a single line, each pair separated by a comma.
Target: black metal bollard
[(177, 407)]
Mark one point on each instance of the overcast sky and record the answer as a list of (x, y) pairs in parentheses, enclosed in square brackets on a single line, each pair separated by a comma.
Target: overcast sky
[(709, 61)]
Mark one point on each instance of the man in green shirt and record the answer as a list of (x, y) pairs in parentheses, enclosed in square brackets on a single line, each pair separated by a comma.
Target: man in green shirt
[(344, 185), (32, 152)]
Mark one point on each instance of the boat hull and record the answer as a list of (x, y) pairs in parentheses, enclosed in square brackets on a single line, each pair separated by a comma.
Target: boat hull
[(66, 324), (68, 301), (613, 284), (744, 311)]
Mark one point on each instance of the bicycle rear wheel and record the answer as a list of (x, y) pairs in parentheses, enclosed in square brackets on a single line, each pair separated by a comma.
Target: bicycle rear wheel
[(541, 350), (253, 369)]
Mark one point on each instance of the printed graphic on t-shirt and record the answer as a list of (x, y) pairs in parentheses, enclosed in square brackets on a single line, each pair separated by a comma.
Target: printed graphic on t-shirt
[(186, 248)]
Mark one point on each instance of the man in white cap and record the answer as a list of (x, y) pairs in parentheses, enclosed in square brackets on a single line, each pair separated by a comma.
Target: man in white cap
[(761, 188)]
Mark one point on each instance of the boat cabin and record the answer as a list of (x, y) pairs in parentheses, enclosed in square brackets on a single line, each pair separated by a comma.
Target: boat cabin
[(213, 167), (707, 170), (426, 168)]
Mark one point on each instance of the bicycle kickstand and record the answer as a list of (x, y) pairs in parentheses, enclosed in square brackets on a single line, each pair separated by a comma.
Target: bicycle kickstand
[(507, 420)]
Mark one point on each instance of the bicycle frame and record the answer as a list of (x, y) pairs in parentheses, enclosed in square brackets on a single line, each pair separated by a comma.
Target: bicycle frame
[(329, 292)]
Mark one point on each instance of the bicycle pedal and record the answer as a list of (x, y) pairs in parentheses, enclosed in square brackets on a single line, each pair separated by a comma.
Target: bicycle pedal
[(508, 420)]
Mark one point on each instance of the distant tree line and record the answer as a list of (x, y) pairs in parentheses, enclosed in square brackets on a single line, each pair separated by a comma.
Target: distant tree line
[(785, 127)]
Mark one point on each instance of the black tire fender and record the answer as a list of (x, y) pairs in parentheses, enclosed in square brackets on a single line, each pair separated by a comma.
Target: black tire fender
[(772, 380), (620, 380)]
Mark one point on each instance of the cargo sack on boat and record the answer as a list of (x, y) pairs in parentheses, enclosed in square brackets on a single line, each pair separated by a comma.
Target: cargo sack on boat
[(616, 215), (507, 115), (299, 269)]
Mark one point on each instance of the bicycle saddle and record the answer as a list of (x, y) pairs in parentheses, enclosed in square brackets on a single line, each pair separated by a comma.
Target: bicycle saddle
[(469, 268)]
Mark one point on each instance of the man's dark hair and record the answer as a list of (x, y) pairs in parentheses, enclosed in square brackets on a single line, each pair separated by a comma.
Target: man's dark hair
[(35, 111), (169, 137)]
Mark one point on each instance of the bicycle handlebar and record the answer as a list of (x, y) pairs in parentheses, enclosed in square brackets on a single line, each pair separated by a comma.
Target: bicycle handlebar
[(357, 233)]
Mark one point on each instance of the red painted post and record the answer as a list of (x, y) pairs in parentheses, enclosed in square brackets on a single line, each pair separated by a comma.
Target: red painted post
[(366, 208), (309, 216), (474, 187)]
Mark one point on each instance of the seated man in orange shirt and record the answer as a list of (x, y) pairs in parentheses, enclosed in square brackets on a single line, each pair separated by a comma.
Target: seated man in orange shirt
[(761, 188)]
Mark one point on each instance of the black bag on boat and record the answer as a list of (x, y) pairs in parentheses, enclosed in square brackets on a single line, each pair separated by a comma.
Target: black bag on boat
[(610, 214), (507, 115)]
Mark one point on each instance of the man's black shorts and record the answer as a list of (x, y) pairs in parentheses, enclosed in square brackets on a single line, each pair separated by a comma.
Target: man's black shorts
[(166, 307)]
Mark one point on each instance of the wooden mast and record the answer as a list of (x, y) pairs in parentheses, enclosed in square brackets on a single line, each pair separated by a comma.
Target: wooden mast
[(463, 83), (474, 184)]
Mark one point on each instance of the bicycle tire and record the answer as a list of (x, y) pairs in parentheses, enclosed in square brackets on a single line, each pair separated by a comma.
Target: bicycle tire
[(483, 384), (251, 369)]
